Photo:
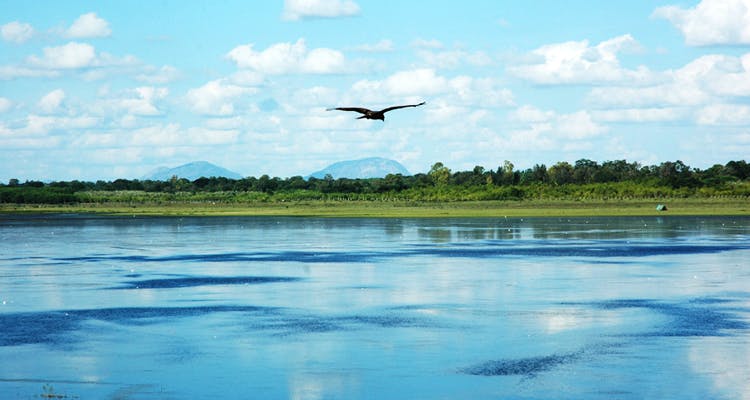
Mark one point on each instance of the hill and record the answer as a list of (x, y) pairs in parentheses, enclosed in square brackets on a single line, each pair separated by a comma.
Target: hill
[(373, 167), (192, 171)]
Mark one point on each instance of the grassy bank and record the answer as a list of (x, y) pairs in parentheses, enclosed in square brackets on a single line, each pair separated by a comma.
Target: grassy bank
[(528, 208)]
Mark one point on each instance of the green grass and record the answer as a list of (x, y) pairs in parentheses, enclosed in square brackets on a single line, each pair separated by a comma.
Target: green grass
[(528, 208)]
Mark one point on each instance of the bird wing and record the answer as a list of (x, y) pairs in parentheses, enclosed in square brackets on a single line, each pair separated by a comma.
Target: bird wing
[(357, 109), (385, 110)]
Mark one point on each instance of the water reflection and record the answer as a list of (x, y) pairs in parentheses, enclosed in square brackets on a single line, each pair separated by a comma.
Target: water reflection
[(305, 308)]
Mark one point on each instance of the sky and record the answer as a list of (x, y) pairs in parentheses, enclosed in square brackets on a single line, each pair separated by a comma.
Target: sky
[(95, 90)]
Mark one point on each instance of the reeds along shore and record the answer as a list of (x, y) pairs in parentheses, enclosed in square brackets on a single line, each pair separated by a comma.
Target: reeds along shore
[(401, 209)]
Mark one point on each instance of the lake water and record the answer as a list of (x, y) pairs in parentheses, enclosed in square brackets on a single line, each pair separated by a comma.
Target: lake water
[(306, 308)]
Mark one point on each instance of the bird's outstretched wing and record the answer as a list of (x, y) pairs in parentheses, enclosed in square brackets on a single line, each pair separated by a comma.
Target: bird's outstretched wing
[(385, 110), (357, 109)]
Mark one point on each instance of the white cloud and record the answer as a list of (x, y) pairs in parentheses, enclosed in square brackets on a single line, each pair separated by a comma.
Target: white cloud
[(5, 105), (727, 75), (163, 136), (88, 26), (69, 56), (8, 72), (287, 58), (724, 114), (295, 10), (16, 32), (655, 114), (382, 46), (76, 58), (51, 102), (247, 78), (205, 136), (577, 125), (711, 22), (578, 62), (444, 113), (527, 113), (480, 92), (315, 96), (216, 97), (143, 101), (422, 83), (40, 125), (153, 75), (432, 44), (455, 58), (157, 135), (704, 80), (415, 82)]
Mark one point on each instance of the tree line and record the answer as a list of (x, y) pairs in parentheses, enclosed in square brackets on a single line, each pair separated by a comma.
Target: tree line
[(584, 179)]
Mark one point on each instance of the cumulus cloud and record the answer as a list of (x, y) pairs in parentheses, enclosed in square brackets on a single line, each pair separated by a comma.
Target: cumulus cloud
[(73, 57), (577, 125), (455, 58), (578, 62), (40, 125), (16, 32), (711, 22), (433, 44), (648, 114), (295, 10), (416, 84), (382, 46), (154, 75), (68, 56), (51, 102), (5, 105), (288, 58), (142, 101), (8, 72), (216, 97), (702, 81), (88, 26), (724, 114)]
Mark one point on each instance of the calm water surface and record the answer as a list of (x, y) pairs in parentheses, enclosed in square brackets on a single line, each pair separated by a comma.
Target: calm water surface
[(304, 308)]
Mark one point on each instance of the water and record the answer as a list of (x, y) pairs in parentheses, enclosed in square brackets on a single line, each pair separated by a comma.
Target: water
[(303, 308)]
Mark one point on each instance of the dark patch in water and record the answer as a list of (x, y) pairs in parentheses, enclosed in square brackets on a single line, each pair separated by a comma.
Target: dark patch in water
[(486, 250), (293, 325), (51, 327), (697, 317), (283, 256), (56, 327), (171, 283), (388, 321), (522, 366), (298, 325)]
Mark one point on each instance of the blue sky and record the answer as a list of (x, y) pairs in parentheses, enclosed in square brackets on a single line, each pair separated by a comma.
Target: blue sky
[(115, 89)]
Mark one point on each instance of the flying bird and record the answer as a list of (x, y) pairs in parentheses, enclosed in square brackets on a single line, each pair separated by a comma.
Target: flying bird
[(370, 114)]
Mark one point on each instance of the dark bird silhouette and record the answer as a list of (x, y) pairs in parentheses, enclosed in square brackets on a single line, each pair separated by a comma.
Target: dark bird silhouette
[(370, 114)]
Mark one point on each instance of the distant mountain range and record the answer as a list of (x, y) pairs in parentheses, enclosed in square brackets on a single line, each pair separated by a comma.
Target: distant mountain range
[(192, 171), (373, 167)]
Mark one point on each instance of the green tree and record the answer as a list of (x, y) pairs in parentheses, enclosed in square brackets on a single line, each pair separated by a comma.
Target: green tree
[(561, 173), (440, 174), (506, 174)]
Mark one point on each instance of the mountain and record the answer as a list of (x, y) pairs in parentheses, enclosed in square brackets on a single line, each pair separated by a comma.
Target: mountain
[(373, 167), (191, 171)]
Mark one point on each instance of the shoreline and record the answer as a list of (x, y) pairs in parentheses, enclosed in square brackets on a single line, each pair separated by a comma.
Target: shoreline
[(384, 209)]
